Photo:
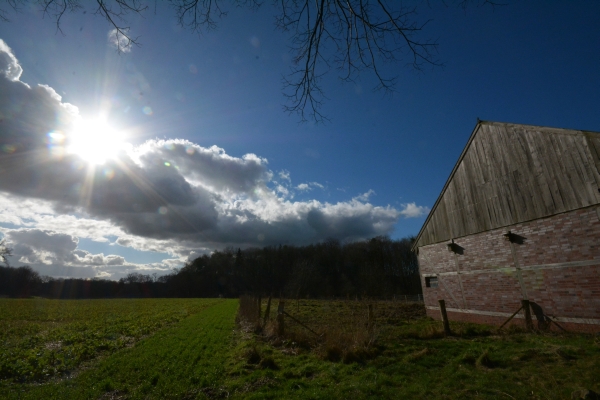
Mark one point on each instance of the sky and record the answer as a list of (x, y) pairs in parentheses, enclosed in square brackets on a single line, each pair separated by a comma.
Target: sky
[(139, 161)]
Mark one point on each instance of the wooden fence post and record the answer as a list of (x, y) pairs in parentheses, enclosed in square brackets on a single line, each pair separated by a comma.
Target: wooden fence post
[(527, 310), (447, 330), (511, 317), (267, 312), (259, 308), (280, 323)]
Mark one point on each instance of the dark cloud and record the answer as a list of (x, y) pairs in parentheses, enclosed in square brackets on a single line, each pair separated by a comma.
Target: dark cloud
[(37, 246), (163, 189), (211, 167), (56, 254)]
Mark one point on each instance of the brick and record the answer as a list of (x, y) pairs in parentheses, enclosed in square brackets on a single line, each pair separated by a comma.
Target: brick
[(564, 292)]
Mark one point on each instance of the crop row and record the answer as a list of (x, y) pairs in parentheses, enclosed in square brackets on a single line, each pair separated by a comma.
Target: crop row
[(43, 338)]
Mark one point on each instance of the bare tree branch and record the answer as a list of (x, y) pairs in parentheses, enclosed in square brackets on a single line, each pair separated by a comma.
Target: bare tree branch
[(352, 36), (14, 5), (113, 11), (115, 15), (5, 252)]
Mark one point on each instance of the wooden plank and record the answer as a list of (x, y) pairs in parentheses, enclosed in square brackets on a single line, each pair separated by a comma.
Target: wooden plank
[(498, 186), (479, 156), (497, 153), (539, 175), (512, 173), (442, 222), (454, 208), (511, 154), (520, 192), (473, 213), (587, 161), (516, 199), (547, 159), (593, 145), (594, 159), (574, 175), (484, 206), (585, 168), (498, 193), (435, 230), (495, 211), (563, 179), (533, 195), (471, 178), (515, 196)]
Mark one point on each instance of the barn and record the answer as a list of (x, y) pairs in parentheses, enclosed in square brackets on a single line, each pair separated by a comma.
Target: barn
[(518, 219)]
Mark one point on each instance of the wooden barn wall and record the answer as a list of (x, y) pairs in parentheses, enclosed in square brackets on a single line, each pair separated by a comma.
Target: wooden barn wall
[(516, 173)]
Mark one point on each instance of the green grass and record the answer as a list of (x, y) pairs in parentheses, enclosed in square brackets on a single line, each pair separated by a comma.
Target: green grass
[(204, 355), (412, 359), (184, 360), (41, 339)]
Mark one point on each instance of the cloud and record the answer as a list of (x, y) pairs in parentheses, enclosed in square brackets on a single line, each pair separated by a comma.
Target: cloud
[(282, 190), (119, 41), (411, 210), (36, 246), (56, 254), (365, 196), (9, 66), (285, 175), (169, 196), (304, 187)]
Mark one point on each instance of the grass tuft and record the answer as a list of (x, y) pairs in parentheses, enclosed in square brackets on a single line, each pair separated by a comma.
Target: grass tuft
[(247, 315), (484, 361), (333, 353), (253, 356), (268, 363), (417, 355)]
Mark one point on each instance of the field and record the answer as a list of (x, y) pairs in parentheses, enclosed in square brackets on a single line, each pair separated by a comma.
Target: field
[(193, 348)]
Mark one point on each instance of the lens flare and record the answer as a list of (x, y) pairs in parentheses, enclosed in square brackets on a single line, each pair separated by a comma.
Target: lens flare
[(94, 141)]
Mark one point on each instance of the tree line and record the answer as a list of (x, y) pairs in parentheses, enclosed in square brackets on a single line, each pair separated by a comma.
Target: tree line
[(379, 267)]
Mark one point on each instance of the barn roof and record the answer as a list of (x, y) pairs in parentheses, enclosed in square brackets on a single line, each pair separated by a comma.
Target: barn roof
[(512, 173)]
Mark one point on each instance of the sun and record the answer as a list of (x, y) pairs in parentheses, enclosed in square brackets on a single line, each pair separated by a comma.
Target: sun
[(95, 141)]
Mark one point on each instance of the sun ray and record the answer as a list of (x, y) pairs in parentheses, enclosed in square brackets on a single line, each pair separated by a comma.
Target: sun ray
[(95, 141), (148, 190)]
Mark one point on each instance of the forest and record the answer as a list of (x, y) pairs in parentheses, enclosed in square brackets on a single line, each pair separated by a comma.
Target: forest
[(379, 267)]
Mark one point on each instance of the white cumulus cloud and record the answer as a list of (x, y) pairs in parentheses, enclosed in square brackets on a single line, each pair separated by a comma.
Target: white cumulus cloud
[(412, 210), (168, 196)]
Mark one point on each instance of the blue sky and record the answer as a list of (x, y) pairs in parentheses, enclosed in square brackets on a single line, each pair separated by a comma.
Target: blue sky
[(375, 168)]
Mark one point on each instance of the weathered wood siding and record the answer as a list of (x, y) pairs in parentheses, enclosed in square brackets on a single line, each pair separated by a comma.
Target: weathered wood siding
[(511, 173)]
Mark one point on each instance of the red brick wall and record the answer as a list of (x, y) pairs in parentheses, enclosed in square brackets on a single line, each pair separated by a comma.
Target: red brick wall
[(489, 279)]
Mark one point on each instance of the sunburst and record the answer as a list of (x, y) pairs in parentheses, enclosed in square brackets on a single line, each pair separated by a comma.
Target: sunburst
[(95, 141)]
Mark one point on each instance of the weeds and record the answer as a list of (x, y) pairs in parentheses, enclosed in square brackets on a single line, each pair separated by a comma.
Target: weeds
[(418, 355), (248, 314), (202, 356), (347, 335), (484, 361)]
